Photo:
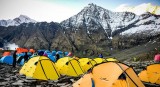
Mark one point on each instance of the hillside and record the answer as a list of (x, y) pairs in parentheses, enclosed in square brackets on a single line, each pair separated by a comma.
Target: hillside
[(141, 52)]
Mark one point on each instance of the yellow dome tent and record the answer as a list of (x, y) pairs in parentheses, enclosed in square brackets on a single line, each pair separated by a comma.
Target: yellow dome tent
[(69, 66), (110, 74), (111, 60), (151, 74), (40, 67), (99, 60), (87, 63)]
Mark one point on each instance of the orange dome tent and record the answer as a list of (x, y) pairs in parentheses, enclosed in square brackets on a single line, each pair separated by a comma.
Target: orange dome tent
[(32, 50), (6, 53), (151, 74), (110, 74), (21, 50)]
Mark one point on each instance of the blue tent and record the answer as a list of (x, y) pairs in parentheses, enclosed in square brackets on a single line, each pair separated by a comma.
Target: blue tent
[(20, 54), (52, 58), (65, 53), (7, 59), (60, 53), (29, 54), (20, 57), (33, 55), (54, 53), (20, 60), (40, 53), (47, 51)]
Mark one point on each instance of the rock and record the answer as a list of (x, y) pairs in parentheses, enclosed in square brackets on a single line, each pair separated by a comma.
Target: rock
[(15, 71), (3, 83), (38, 86), (7, 74), (13, 78), (29, 81), (17, 84), (72, 80), (7, 79), (22, 76)]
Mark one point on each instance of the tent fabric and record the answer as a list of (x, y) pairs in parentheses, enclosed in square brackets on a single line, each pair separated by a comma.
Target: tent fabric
[(85, 79), (70, 54), (143, 76), (20, 60), (99, 60), (7, 60), (151, 74), (53, 53), (40, 67), (32, 50), (157, 58), (21, 50), (87, 63), (60, 53), (65, 53), (111, 60), (110, 75), (52, 58), (6, 53), (69, 66), (40, 52)]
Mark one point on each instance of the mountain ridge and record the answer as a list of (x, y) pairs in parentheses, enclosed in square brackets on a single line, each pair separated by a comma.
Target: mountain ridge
[(16, 21), (91, 31)]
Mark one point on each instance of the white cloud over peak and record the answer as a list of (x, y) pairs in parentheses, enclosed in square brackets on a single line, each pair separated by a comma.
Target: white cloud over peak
[(139, 9), (121, 8)]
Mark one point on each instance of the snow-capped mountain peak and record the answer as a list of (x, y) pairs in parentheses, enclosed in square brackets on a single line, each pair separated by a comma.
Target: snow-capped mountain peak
[(17, 21), (95, 18)]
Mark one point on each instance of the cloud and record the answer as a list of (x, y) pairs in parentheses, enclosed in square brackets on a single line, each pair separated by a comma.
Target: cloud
[(139, 9), (10, 46), (121, 8), (35, 9)]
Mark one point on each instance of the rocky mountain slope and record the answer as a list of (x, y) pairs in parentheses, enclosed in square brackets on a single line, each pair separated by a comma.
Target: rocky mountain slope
[(106, 29), (17, 21), (91, 31), (36, 35)]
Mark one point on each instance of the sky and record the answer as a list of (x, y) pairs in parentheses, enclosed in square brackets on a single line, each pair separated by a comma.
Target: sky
[(58, 10)]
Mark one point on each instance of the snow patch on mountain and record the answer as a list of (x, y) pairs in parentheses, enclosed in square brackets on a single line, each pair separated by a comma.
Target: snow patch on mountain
[(150, 28)]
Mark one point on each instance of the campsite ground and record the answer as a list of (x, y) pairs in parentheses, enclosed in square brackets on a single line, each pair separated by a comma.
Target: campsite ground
[(10, 77)]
